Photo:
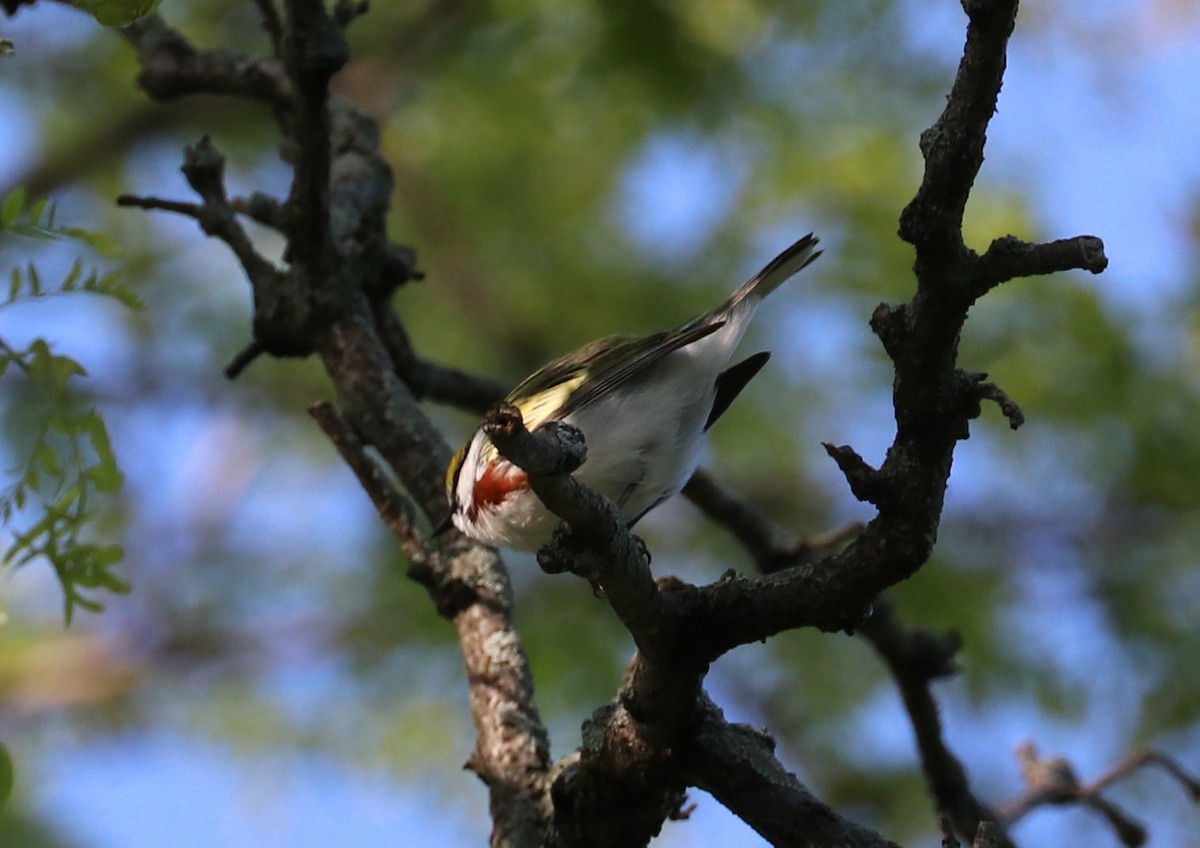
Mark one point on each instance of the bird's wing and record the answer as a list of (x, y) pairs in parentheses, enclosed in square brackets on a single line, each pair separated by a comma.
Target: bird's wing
[(587, 374)]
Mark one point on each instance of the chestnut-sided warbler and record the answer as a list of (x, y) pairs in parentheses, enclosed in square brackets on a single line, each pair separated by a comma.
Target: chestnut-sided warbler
[(643, 405)]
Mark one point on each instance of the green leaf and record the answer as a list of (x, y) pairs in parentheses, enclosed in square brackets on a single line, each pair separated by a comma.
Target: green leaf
[(105, 557), (6, 775), (113, 583), (63, 368), (11, 207), (64, 502), (45, 456), (116, 13), (106, 477), (105, 474), (14, 284), (72, 279), (110, 285), (7, 48), (35, 279), (36, 208), (102, 243)]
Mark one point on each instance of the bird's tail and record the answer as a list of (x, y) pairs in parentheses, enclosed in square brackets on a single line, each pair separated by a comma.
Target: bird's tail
[(777, 271), (733, 316)]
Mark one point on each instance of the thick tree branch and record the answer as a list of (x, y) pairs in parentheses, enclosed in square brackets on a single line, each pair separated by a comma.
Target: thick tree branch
[(629, 746), (953, 146), (468, 583), (313, 50), (334, 221)]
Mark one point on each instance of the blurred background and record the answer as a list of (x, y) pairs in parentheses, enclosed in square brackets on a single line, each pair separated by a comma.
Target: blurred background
[(567, 170)]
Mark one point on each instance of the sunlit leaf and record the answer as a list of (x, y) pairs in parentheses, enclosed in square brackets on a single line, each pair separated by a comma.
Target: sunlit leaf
[(117, 13), (46, 457), (100, 241), (11, 207), (72, 279)]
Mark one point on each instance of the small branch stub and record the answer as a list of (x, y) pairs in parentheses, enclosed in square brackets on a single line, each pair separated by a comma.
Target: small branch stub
[(555, 448), (866, 483), (992, 392)]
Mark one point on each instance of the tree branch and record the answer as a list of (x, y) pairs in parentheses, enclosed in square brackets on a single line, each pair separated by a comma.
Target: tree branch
[(953, 146), (737, 765), (598, 545), (393, 508), (204, 168), (1008, 258), (323, 301), (1052, 780), (916, 658), (335, 299), (173, 68), (313, 50), (772, 547)]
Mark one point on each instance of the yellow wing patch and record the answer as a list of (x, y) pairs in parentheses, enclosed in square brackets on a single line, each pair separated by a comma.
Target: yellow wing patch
[(453, 468), (540, 408)]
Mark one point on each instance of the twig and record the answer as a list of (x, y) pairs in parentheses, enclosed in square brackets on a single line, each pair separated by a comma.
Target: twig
[(243, 359), (1141, 759), (204, 168), (772, 548), (281, 319), (272, 23), (426, 379), (1052, 780), (179, 207), (1008, 407)]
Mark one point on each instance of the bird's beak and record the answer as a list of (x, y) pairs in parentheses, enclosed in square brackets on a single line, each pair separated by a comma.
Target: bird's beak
[(444, 525)]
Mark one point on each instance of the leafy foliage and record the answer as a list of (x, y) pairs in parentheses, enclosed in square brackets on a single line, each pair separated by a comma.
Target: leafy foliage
[(70, 460)]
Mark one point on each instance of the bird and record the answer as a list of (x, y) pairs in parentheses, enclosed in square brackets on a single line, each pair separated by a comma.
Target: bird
[(643, 405)]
